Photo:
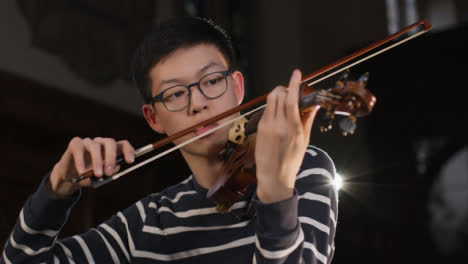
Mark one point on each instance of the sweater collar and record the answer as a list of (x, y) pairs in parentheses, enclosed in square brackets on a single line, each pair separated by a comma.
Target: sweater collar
[(200, 189)]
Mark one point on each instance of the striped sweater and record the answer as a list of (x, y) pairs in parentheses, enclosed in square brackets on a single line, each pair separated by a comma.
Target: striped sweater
[(179, 225)]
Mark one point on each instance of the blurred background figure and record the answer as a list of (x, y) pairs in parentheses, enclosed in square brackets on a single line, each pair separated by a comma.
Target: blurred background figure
[(448, 200)]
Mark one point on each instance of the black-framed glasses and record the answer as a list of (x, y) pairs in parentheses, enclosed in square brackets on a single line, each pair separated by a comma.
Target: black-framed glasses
[(177, 97)]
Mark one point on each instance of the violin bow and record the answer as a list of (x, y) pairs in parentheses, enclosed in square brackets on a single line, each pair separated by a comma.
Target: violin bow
[(426, 26)]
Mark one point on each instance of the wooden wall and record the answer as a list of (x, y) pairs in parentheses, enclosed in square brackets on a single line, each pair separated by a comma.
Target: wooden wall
[(38, 122)]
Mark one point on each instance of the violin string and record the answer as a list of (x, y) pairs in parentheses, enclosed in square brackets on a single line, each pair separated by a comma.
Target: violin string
[(323, 93), (368, 57), (136, 166), (327, 96)]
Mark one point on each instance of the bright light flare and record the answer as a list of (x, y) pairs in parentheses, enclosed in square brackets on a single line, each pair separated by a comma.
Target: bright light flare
[(338, 181)]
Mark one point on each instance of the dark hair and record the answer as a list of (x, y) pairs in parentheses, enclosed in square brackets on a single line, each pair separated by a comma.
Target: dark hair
[(170, 36)]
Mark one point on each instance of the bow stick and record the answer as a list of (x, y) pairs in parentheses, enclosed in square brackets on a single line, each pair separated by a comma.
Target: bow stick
[(97, 182)]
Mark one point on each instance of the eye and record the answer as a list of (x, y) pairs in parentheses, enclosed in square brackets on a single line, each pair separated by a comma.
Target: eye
[(172, 95), (214, 80)]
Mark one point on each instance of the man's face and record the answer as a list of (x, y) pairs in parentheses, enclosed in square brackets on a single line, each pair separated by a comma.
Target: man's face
[(183, 67)]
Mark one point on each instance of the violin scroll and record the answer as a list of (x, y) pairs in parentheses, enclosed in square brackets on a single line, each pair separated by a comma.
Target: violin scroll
[(349, 99)]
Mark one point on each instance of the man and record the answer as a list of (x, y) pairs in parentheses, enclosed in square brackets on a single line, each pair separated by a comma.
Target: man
[(185, 71)]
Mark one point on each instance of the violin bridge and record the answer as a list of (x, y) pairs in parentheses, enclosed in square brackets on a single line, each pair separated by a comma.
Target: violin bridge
[(237, 131)]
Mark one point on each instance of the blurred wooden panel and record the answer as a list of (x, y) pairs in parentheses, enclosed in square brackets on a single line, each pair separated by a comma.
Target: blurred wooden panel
[(37, 124)]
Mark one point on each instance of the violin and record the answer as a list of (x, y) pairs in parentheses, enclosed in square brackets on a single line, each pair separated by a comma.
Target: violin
[(348, 99)]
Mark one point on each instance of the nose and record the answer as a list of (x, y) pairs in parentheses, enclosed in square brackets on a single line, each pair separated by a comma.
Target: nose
[(197, 101)]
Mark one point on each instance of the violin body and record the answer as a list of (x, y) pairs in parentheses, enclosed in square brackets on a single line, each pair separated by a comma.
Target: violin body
[(237, 174)]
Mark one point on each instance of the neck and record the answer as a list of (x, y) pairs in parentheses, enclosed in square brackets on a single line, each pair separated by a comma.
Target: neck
[(205, 169)]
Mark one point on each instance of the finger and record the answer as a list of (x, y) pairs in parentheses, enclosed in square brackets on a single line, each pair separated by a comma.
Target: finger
[(94, 150), (85, 182), (294, 85), (292, 110), (270, 109), (76, 151), (116, 169), (110, 153), (281, 106), (127, 150)]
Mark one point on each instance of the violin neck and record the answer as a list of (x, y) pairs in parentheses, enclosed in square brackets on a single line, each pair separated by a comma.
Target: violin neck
[(308, 101), (251, 126), (305, 103)]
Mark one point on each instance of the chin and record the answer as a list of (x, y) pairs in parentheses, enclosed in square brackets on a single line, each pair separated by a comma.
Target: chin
[(209, 146), (213, 146)]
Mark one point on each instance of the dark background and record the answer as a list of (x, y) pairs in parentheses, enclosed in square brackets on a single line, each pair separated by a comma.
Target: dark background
[(64, 73)]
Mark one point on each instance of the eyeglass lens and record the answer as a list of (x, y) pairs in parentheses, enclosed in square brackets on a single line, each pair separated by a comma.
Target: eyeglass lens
[(212, 85)]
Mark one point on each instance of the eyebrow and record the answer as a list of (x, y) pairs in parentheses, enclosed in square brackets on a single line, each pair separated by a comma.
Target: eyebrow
[(199, 72)]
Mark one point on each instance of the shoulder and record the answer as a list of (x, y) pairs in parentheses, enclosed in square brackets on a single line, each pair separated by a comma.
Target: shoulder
[(170, 193), (153, 202), (316, 158), (173, 192), (316, 177)]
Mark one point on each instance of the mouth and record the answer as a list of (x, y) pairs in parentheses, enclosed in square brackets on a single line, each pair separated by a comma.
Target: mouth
[(205, 129)]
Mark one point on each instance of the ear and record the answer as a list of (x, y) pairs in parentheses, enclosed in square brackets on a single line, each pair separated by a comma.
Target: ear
[(152, 118), (238, 86)]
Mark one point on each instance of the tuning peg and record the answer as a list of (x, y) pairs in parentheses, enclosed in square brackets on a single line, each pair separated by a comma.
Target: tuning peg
[(344, 76), (364, 78), (347, 124), (339, 85), (342, 79)]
